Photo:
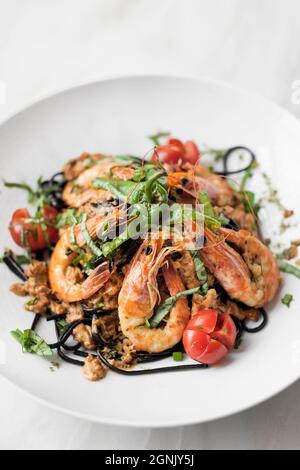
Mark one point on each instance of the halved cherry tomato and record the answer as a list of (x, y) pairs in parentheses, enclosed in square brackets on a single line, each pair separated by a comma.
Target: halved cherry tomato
[(174, 150), (170, 152), (192, 152), (209, 336), (36, 235)]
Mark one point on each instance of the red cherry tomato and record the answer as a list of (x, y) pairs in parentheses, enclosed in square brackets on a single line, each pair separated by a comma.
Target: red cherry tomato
[(174, 150), (192, 153), (170, 152), (35, 235), (209, 336)]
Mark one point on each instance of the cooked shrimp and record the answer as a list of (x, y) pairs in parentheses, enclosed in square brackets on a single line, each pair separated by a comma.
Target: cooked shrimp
[(139, 295), (79, 191), (247, 270), (63, 286), (77, 165), (200, 178)]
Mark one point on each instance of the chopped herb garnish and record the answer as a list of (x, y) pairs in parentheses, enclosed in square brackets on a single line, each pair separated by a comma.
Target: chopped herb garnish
[(54, 366), (22, 259), (211, 220), (155, 139), (165, 308), (200, 271), (32, 343), (61, 325), (40, 196), (95, 249), (32, 302), (177, 356), (287, 300), (288, 268), (68, 218), (32, 195), (273, 193)]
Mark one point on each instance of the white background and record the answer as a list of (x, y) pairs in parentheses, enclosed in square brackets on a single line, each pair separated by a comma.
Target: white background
[(52, 44)]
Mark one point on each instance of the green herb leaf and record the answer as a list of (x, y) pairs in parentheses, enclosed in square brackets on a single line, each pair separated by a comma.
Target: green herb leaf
[(165, 308), (95, 249), (177, 356), (32, 343), (200, 271), (288, 268), (155, 139), (287, 300), (68, 218), (210, 218), (32, 301), (32, 195), (61, 324), (21, 259)]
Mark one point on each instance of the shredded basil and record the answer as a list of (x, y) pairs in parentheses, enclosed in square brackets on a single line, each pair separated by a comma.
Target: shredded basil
[(165, 308), (32, 301), (288, 268), (61, 324), (155, 139), (200, 271), (148, 191), (177, 356), (32, 195), (210, 218), (68, 218), (95, 249), (32, 343), (287, 300)]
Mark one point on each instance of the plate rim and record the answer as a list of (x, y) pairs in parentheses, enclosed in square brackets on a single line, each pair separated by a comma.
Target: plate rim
[(120, 77)]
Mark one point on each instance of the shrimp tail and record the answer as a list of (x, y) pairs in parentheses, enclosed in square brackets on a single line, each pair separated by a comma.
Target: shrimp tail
[(96, 280)]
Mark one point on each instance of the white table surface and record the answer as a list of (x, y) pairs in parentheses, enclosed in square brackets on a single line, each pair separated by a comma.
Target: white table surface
[(49, 45)]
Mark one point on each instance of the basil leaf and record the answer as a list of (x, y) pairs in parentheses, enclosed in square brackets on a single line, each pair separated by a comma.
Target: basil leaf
[(95, 249), (120, 189), (287, 300), (210, 218), (32, 195), (68, 218), (61, 324), (288, 268), (165, 308), (32, 343), (155, 139), (200, 271)]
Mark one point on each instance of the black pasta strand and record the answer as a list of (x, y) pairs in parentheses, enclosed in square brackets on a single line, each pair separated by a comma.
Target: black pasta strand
[(14, 266), (35, 322), (68, 359), (68, 332), (260, 327), (228, 154), (148, 371)]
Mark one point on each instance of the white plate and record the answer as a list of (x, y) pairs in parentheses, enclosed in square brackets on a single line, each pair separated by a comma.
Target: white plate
[(116, 116)]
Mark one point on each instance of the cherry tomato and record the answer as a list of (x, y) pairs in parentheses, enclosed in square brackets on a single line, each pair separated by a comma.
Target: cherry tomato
[(174, 150), (192, 153), (34, 234), (209, 336), (170, 152)]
